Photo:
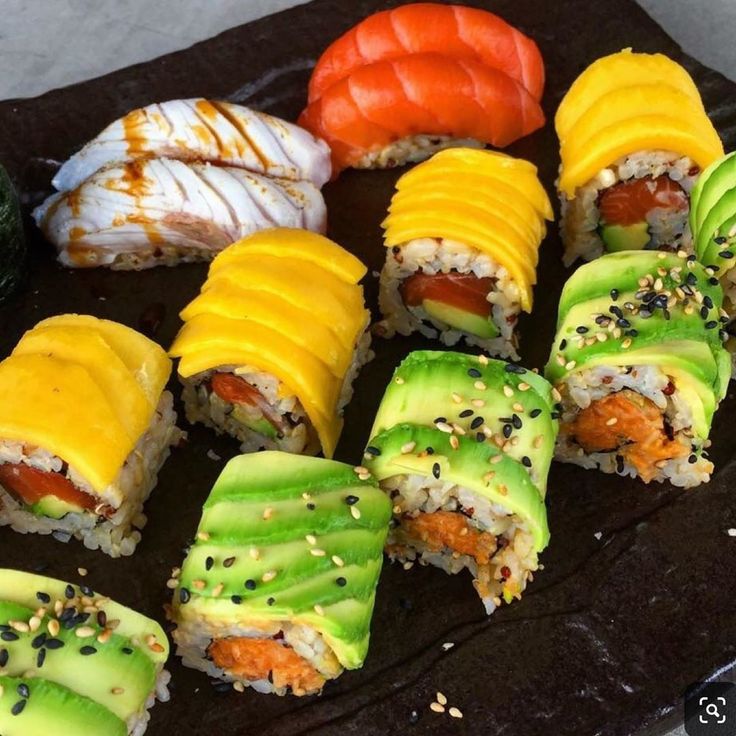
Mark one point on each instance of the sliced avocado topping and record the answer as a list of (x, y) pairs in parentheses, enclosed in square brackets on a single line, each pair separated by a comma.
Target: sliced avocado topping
[(262, 426), (54, 507), (625, 237), (459, 319)]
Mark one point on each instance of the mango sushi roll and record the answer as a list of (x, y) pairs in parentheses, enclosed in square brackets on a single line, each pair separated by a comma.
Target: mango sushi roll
[(462, 445), (74, 662), (271, 346), (85, 426), (634, 137), (640, 366), (277, 591), (462, 237)]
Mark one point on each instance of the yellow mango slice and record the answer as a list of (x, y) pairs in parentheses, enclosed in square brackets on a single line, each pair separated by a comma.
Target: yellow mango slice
[(236, 302), (57, 405), (146, 360), (295, 244), (208, 341), (87, 349), (583, 160), (622, 69), (329, 300)]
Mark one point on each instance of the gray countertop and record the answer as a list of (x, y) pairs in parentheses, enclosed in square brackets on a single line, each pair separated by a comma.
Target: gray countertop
[(46, 44)]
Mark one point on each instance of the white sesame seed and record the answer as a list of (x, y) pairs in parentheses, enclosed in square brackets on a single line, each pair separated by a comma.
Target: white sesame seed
[(254, 553), (82, 571), (610, 422), (338, 561), (517, 407), (317, 552), (319, 610), (53, 627), (478, 403), (483, 360), (397, 509), (34, 623), (268, 576), (408, 447), (488, 477), (454, 442), (437, 708), (523, 386), (307, 496), (496, 459), (538, 441), (20, 626), (455, 712), (408, 565), (560, 359), (117, 691), (203, 536), (661, 255), (480, 386), (267, 513), (570, 365), (355, 511), (448, 645), (444, 427), (457, 428), (84, 632), (441, 699), (626, 343), (556, 395), (731, 532), (457, 398), (311, 539), (360, 470), (601, 336), (238, 686), (508, 392)]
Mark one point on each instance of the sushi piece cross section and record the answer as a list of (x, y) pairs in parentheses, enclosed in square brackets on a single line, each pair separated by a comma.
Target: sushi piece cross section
[(199, 130), (277, 591), (271, 346), (407, 82), (150, 212), (74, 662), (85, 426), (640, 366), (634, 137), (462, 445), (462, 237)]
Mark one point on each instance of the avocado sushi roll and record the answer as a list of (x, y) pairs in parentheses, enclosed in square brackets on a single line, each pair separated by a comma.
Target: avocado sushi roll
[(277, 590), (634, 137), (713, 223), (462, 238), (85, 426), (462, 445), (74, 662), (640, 366), (271, 346)]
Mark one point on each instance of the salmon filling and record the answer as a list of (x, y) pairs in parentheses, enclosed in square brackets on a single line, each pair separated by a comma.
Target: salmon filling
[(630, 424), (261, 659), (236, 390), (449, 530), (460, 290), (629, 202)]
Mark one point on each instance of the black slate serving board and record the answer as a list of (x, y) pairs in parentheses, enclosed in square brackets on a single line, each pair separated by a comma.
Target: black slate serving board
[(612, 631)]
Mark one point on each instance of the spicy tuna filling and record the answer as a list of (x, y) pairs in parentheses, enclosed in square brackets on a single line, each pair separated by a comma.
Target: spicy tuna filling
[(265, 659), (630, 425)]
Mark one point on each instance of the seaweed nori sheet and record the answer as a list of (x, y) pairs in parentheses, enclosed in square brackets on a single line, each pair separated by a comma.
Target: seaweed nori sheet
[(609, 634)]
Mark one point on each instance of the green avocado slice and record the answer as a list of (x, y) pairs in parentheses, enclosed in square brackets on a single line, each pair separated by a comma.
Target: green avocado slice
[(54, 507), (47, 706), (711, 186), (625, 237), (459, 319)]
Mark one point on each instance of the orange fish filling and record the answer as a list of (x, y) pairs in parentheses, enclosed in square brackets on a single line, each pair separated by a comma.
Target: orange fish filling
[(630, 424), (451, 530), (259, 659)]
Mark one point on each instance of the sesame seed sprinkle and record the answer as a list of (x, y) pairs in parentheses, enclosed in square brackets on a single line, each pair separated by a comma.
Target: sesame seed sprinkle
[(455, 712), (355, 512), (338, 561), (437, 708)]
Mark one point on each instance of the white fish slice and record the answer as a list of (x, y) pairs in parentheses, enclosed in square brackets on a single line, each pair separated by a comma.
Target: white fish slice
[(162, 212), (203, 130)]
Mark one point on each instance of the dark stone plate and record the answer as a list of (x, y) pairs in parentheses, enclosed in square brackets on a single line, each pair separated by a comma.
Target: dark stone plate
[(607, 637)]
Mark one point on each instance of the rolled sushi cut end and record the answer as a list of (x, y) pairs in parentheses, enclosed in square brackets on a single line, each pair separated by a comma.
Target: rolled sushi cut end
[(462, 238), (462, 445), (73, 661), (264, 360), (634, 137), (85, 426), (277, 591), (640, 366)]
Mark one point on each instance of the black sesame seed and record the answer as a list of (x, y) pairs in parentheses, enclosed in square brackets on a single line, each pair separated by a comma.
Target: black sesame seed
[(271, 601), (17, 709), (692, 459), (184, 595), (554, 415), (250, 584), (43, 597), (581, 329), (474, 373), (228, 562), (526, 462), (507, 430), (466, 413), (436, 470), (613, 309), (476, 422), (342, 582), (236, 599), (67, 614), (648, 296), (710, 325), (632, 333), (720, 239), (54, 644), (351, 500), (614, 295), (602, 319), (726, 254), (126, 650), (516, 421), (704, 312), (623, 323), (4, 656), (311, 507), (69, 592), (691, 258), (512, 368), (101, 619), (440, 420), (86, 590), (534, 413), (80, 618), (713, 281), (480, 437), (38, 641), (23, 690), (563, 344), (666, 313), (208, 563), (86, 651), (430, 451), (9, 636), (691, 279), (708, 302), (373, 451), (41, 658)]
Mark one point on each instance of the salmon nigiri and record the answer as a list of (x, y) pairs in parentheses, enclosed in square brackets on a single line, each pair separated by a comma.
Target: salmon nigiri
[(452, 30), (390, 112)]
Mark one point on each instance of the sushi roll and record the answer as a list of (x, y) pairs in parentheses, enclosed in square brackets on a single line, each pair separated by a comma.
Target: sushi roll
[(85, 426), (151, 212), (198, 130), (640, 367), (462, 445), (713, 223), (462, 238), (407, 82), (271, 346), (277, 591), (634, 136), (74, 662)]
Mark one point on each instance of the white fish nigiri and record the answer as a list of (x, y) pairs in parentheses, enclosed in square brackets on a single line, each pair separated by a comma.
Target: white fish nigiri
[(153, 212), (203, 130)]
